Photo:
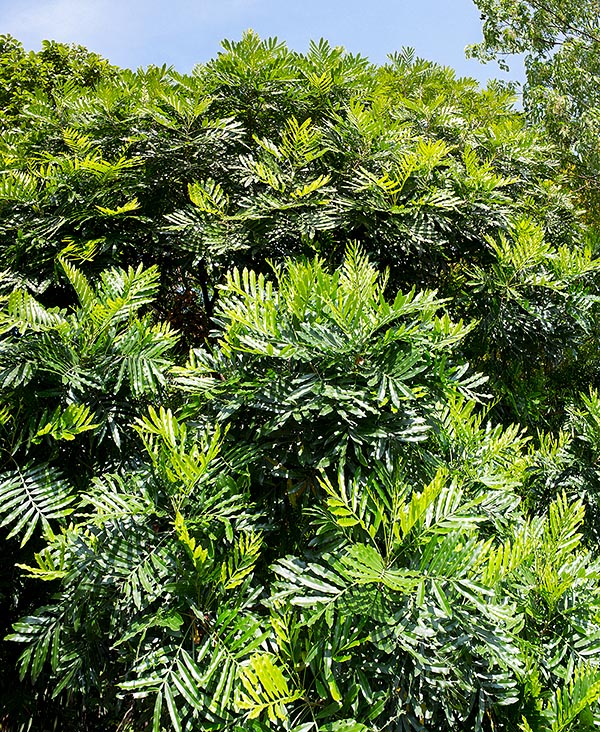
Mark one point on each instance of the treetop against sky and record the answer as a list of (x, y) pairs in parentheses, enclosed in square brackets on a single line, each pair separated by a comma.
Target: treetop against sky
[(135, 33)]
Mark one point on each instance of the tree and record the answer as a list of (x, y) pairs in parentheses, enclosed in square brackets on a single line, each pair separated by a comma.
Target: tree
[(424, 169), (24, 74), (291, 353), (561, 43)]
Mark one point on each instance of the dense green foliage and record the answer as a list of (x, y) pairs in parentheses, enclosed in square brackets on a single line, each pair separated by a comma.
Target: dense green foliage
[(298, 404), (560, 42)]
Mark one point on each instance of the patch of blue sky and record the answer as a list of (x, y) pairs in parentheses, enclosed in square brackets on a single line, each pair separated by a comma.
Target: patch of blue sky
[(180, 33)]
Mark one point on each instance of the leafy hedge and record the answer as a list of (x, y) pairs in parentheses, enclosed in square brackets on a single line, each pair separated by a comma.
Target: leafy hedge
[(297, 401)]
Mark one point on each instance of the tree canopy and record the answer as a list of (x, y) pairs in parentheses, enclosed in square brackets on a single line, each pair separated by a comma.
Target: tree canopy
[(298, 399), (560, 42)]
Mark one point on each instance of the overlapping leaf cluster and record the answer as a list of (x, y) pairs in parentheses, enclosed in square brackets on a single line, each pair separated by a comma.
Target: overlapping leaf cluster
[(267, 334)]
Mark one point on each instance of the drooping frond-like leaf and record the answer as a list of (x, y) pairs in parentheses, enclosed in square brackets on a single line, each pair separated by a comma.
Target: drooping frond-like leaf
[(66, 424), (266, 689), (32, 495), (25, 312)]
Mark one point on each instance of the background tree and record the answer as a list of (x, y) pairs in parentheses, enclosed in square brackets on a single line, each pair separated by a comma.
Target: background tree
[(24, 73), (560, 41)]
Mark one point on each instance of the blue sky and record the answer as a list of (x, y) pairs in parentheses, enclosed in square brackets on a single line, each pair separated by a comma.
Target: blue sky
[(182, 33)]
